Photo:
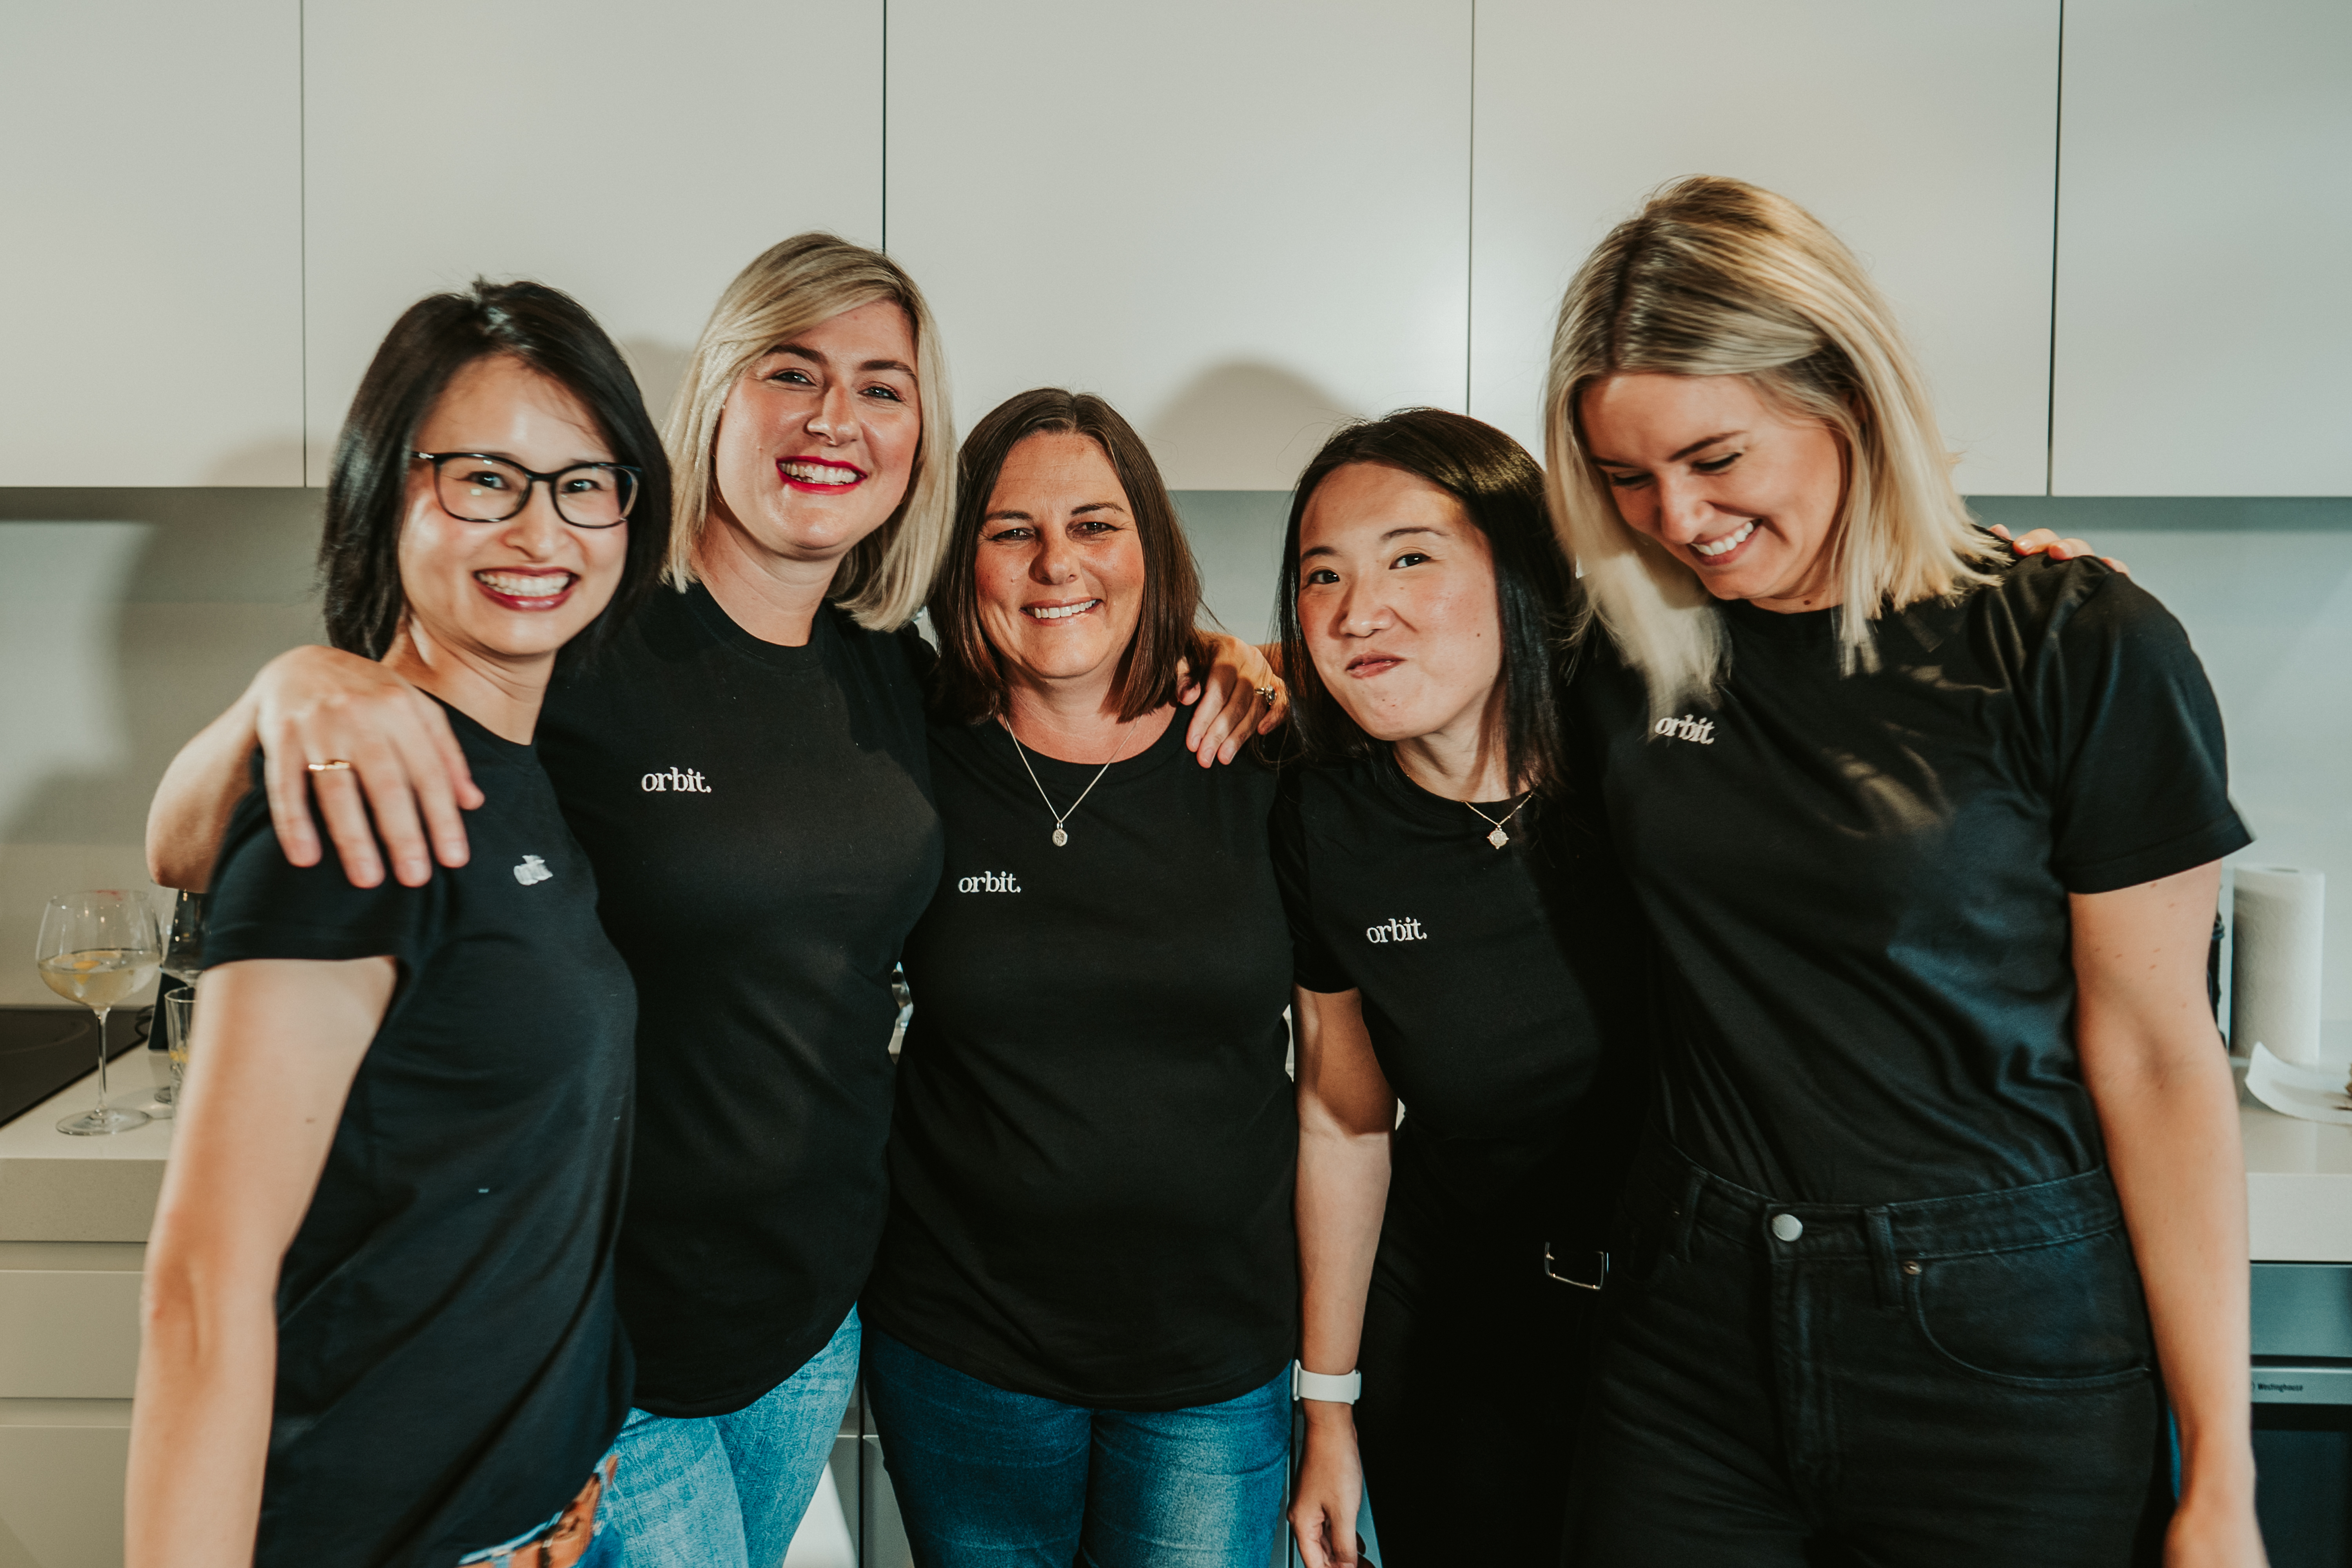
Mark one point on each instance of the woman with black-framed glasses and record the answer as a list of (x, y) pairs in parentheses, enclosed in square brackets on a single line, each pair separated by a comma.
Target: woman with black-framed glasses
[(411, 1119)]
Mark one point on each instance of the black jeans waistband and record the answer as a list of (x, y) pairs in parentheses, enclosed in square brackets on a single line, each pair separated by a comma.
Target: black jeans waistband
[(1667, 1187)]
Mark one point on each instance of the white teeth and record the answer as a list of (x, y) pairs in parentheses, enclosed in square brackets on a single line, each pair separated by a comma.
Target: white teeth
[(516, 585), (810, 473), (1061, 612), (1723, 546)]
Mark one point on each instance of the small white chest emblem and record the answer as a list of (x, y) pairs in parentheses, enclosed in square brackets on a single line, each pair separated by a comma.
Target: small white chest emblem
[(532, 870), (1689, 727)]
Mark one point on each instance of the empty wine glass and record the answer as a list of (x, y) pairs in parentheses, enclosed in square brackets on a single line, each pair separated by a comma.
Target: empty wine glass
[(97, 949), (184, 958), (175, 1015)]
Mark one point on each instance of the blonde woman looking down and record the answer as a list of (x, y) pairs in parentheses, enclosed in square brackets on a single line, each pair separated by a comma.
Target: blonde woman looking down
[(1942, 1204), (744, 764)]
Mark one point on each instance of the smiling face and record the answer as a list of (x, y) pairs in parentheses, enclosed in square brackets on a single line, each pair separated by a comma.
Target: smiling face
[(513, 591), (1744, 495), (816, 442), (1059, 576), (1398, 603)]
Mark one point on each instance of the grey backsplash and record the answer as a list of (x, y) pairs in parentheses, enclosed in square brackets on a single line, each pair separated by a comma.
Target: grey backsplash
[(130, 616)]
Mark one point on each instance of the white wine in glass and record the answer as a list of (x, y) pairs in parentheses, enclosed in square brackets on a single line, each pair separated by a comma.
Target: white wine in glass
[(97, 949)]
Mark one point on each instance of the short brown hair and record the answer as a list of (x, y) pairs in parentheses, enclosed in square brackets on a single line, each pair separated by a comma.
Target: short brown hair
[(969, 683)]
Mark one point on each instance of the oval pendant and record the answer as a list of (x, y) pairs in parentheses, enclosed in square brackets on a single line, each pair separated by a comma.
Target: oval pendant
[(1498, 838), (1060, 837)]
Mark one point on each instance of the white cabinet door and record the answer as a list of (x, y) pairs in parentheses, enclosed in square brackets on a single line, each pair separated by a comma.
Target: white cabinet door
[(1239, 221), (1924, 135), (150, 246), (634, 158), (2205, 250)]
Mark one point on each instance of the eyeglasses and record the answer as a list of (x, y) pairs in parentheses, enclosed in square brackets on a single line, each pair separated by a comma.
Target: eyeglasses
[(475, 488)]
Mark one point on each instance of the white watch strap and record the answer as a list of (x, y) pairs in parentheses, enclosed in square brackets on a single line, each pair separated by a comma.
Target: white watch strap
[(1340, 1388)]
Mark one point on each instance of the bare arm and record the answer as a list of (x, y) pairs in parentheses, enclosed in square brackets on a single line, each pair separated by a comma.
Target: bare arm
[(2154, 1064), (278, 1043), (316, 705), (1346, 1115), (1234, 705)]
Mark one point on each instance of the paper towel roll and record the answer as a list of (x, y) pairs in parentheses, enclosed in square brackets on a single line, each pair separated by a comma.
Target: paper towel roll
[(2275, 974)]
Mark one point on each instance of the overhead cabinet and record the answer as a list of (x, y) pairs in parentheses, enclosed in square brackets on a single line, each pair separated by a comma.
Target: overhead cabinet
[(635, 160), (2204, 250), (1241, 223), (1924, 135), (151, 254)]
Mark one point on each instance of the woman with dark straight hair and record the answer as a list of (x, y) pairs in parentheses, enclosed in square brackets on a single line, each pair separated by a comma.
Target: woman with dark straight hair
[(408, 1109), (1082, 1317), (1463, 942)]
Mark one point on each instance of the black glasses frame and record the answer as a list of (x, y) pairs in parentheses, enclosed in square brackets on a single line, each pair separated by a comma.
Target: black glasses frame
[(637, 482)]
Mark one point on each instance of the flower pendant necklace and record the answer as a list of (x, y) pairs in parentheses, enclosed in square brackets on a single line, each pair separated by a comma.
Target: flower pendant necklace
[(1498, 838), (1060, 834)]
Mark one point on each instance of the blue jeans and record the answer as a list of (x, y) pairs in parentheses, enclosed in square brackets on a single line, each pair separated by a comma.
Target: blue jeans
[(728, 1491), (990, 1479)]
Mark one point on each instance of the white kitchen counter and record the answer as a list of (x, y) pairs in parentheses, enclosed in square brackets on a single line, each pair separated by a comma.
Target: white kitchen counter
[(55, 1187), (2298, 1185)]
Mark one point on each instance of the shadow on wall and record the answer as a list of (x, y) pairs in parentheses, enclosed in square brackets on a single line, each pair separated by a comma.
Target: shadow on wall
[(1243, 427), (128, 618)]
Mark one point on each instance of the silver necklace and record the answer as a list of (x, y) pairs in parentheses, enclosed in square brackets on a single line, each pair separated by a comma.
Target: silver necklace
[(1061, 836), (1498, 838)]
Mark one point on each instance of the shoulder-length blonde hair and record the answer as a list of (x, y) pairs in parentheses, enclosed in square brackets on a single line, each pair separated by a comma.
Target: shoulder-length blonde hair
[(793, 286), (1715, 277)]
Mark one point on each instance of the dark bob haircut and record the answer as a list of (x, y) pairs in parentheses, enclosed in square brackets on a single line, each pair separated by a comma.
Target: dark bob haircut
[(969, 685), (1502, 492), (359, 552)]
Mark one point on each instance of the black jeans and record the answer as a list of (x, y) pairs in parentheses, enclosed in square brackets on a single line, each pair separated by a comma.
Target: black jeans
[(1475, 1365), (1960, 1381)]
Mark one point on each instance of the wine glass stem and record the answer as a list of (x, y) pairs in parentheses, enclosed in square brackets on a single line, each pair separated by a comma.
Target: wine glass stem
[(102, 1012)]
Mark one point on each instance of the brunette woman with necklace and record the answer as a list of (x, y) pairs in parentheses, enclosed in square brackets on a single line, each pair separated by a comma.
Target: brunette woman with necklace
[(1464, 941), (1080, 1324)]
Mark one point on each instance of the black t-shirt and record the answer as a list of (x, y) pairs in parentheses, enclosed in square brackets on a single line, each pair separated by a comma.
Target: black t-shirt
[(1092, 1164), (762, 826), (1863, 879), (1502, 989), (450, 1361)]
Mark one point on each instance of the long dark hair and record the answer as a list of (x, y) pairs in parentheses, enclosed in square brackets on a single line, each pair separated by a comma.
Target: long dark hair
[(358, 551), (969, 685), (1502, 492)]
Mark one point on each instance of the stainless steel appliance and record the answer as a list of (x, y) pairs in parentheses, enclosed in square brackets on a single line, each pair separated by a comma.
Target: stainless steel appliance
[(2302, 1412)]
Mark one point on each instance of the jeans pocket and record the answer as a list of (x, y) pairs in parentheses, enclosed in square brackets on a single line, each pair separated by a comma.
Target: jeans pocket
[(2066, 1315)]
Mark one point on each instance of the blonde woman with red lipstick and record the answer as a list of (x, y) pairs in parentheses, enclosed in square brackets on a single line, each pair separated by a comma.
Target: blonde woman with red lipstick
[(746, 767)]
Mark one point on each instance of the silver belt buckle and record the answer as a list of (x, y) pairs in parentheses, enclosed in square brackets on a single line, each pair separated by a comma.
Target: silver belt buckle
[(1552, 1267)]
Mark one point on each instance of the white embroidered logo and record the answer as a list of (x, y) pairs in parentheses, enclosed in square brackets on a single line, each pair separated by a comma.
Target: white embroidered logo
[(532, 870), (1401, 928), (990, 882), (685, 781), (1686, 728)]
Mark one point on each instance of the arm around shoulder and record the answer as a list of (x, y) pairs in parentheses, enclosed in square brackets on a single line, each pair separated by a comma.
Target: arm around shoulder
[(398, 774)]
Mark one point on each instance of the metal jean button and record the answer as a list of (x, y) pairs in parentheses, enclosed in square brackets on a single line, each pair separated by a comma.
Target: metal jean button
[(1787, 1226)]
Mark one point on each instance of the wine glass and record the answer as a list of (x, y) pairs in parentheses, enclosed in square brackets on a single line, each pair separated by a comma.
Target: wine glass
[(97, 949), (183, 958)]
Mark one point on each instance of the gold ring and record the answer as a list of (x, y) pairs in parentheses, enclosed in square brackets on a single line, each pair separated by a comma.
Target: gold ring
[(1269, 693), (336, 765)]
